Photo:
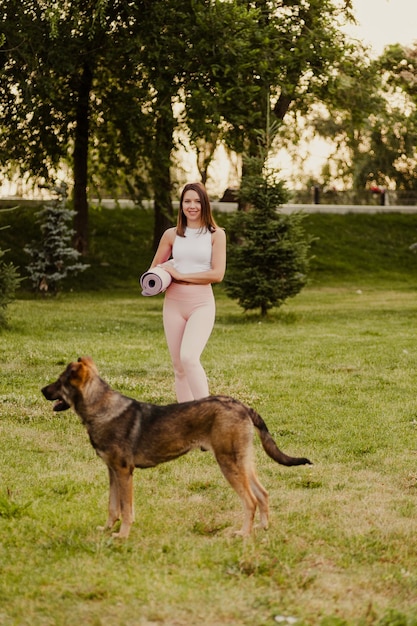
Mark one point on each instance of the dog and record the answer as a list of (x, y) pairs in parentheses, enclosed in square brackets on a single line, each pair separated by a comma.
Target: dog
[(127, 433)]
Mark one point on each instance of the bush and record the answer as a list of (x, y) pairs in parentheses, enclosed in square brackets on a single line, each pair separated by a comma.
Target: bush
[(9, 282)]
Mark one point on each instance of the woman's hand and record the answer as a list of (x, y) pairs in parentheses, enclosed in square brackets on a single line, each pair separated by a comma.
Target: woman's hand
[(169, 267)]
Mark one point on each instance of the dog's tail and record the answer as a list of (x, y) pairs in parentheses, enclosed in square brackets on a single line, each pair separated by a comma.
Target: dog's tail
[(270, 446)]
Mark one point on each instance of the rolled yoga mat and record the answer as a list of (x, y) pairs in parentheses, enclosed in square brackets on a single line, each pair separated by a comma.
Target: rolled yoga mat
[(155, 281)]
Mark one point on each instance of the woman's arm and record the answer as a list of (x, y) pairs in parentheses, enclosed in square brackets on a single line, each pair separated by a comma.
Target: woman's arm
[(164, 250), (218, 264)]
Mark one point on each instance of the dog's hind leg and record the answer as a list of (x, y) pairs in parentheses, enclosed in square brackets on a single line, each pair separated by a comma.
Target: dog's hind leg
[(235, 473), (262, 498)]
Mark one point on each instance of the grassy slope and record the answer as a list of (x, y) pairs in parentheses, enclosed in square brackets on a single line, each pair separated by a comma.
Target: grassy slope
[(363, 248), (352, 249)]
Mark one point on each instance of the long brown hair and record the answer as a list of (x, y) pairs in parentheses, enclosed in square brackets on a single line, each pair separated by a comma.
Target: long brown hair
[(207, 218)]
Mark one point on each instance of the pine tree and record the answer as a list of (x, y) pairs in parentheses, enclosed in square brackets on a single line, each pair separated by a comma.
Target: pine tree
[(268, 255), (54, 258)]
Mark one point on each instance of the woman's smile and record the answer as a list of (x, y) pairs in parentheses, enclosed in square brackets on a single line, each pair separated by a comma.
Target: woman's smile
[(191, 207)]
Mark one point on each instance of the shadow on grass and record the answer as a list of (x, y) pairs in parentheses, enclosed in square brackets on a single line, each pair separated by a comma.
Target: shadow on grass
[(286, 318)]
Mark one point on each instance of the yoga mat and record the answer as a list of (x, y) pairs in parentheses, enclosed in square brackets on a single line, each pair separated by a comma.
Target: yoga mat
[(155, 281)]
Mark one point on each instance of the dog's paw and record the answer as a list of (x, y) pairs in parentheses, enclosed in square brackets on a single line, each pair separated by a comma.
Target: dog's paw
[(261, 526), (120, 535), (241, 533), (104, 528)]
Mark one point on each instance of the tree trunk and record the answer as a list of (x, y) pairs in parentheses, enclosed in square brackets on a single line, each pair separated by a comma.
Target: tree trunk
[(282, 105), (81, 161), (252, 165), (161, 172)]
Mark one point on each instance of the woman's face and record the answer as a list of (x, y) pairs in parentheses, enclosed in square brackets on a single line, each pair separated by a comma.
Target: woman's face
[(191, 206)]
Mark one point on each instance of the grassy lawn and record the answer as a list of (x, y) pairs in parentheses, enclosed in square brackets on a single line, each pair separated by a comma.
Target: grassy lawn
[(333, 374)]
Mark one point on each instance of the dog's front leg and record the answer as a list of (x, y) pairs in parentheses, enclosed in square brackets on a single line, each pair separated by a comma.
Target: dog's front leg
[(124, 479), (114, 502)]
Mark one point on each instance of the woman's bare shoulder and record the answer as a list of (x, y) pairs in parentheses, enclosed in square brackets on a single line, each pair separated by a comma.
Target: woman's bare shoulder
[(219, 234), (169, 234)]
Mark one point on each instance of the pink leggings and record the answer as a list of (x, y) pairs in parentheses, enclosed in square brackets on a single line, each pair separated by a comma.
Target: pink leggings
[(188, 314)]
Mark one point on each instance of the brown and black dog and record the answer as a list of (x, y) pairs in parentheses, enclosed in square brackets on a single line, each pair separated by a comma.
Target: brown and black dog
[(126, 434)]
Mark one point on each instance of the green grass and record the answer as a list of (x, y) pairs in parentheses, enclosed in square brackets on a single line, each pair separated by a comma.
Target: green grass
[(363, 248), (333, 374)]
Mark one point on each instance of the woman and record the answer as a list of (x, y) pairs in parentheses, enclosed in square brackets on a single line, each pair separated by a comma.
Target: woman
[(198, 250)]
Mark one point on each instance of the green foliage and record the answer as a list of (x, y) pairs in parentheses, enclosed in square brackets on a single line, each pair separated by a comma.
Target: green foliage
[(268, 254), (395, 144), (371, 117), (289, 69), (9, 282), (49, 48), (96, 85), (53, 258), (71, 93)]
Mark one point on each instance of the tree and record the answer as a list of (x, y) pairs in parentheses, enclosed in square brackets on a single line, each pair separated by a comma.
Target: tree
[(163, 45), (218, 91), (348, 118), (182, 56), (54, 258), (70, 88), (95, 85), (285, 60), (105, 86), (372, 122), (399, 67), (268, 254)]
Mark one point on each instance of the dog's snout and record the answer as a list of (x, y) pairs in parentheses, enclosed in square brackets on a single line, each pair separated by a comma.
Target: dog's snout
[(45, 392), (51, 392)]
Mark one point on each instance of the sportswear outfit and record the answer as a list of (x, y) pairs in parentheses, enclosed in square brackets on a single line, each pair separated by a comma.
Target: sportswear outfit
[(189, 313)]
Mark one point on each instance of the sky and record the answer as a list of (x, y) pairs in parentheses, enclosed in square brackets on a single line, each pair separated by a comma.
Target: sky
[(384, 22)]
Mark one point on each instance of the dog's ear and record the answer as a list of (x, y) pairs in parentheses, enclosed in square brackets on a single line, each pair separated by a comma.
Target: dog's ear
[(88, 362), (74, 371), (77, 374)]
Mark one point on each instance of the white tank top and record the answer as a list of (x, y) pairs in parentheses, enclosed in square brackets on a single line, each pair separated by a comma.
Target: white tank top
[(192, 253)]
